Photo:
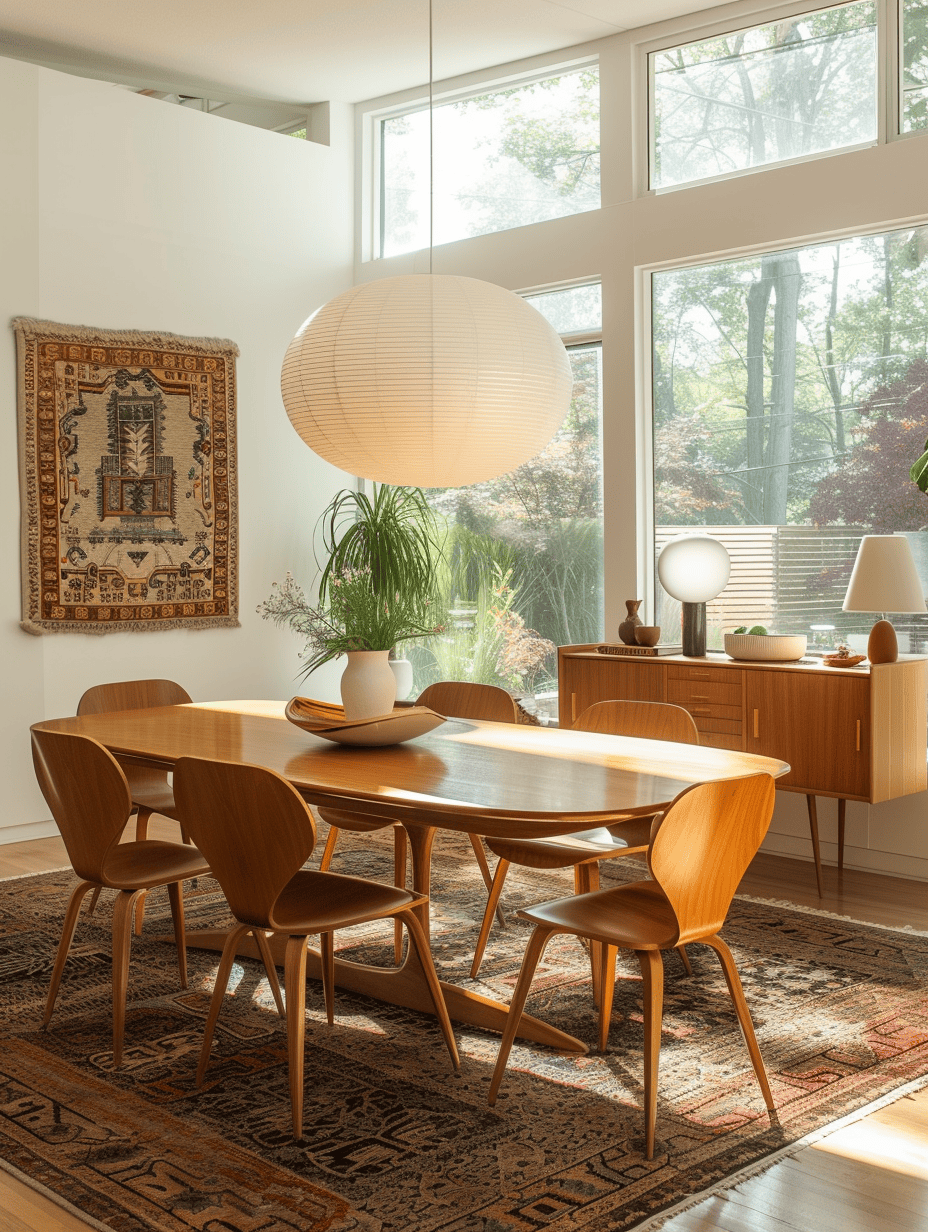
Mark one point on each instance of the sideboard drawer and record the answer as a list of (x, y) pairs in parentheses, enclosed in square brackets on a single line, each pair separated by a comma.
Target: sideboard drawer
[(717, 675), (701, 692), (731, 727), (714, 710)]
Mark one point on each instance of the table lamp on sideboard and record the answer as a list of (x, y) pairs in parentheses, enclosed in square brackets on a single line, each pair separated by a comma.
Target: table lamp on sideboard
[(884, 580), (694, 569)]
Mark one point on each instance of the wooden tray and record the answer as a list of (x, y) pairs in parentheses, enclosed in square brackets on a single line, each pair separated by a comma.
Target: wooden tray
[(328, 721)]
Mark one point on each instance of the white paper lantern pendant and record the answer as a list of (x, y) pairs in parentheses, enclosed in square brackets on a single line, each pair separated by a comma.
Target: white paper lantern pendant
[(427, 380)]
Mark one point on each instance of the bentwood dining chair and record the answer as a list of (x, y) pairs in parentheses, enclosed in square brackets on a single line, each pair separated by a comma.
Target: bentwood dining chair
[(149, 785), (259, 833), (700, 848), (88, 795), (583, 851), (463, 700)]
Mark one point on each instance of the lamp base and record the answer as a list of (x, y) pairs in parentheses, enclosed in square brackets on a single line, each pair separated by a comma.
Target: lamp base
[(694, 630), (882, 646)]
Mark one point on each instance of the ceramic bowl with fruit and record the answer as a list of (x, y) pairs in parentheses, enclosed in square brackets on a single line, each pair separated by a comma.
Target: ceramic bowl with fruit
[(756, 643)]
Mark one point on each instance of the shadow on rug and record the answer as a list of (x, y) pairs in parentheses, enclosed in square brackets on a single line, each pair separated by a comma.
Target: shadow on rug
[(394, 1140)]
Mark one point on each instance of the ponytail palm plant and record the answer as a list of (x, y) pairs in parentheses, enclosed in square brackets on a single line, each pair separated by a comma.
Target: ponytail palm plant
[(378, 586)]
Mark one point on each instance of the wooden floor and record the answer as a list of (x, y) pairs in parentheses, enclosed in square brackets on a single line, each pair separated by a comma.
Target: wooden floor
[(871, 1176)]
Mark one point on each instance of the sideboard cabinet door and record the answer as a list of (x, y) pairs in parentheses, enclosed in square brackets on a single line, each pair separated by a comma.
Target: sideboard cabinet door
[(819, 724), (585, 681)]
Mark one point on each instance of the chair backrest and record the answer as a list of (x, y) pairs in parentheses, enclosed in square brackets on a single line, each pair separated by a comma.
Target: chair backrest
[(702, 846), (87, 793), (462, 700), (253, 828), (132, 695), (649, 720)]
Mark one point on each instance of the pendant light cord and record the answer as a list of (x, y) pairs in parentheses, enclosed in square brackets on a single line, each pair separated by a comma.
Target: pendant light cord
[(431, 148)]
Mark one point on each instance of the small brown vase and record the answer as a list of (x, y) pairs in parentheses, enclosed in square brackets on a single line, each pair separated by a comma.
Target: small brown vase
[(631, 622)]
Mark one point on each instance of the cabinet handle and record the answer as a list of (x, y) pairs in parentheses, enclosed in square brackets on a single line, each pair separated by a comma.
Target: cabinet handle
[(700, 697), (756, 724), (573, 707), (858, 735), (700, 710)]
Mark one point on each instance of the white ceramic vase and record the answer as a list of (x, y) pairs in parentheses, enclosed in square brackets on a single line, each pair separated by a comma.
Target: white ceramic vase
[(368, 686), (402, 670)]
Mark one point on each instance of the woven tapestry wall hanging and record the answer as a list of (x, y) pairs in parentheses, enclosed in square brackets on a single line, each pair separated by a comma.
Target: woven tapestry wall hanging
[(127, 460)]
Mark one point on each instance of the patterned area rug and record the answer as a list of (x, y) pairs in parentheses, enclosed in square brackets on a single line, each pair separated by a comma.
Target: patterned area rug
[(394, 1140)]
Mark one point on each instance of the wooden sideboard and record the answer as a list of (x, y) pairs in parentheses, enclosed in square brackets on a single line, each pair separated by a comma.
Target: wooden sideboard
[(855, 733)]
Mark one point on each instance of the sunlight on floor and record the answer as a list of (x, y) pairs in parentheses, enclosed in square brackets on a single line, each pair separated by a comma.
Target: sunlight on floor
[(897, 1148)]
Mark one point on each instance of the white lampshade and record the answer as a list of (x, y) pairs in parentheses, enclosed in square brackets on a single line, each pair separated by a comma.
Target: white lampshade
[(884, 578), (427, 380), (693, 568)]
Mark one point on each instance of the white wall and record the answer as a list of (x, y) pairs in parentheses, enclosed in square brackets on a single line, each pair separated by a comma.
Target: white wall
[(634, 231), (124, 212)]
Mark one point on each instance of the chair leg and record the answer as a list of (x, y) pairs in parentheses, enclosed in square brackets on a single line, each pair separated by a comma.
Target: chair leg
[(813, 827), (123, 910), (736, 992), (141, 833), (94, 899), (533, 952), (477, 843), (327, 944), (420, 941), (586, 880), (329, 850), (607, 991), (141, 824), (219, 992), (502, 867), (176, 898), (685, 959), (295, 987), (64, 945), (842, 809), (267, 958), (652, 976), (399, 879)]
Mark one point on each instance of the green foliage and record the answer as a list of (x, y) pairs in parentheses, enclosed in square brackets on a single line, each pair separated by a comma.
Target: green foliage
[(394, 535), (378, 586)]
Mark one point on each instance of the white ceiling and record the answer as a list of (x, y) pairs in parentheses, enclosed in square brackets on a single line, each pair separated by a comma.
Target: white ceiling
[(303, 51)]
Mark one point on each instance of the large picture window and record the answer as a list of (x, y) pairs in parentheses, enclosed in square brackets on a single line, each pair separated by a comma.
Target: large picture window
[(523, 557), (505, 158), (797, 87), (790, 401)]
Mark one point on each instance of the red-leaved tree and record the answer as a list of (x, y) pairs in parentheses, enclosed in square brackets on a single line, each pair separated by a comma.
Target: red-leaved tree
[(873, 487)]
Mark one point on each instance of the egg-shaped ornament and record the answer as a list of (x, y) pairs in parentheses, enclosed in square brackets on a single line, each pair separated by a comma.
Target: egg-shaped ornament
[(427, 380)]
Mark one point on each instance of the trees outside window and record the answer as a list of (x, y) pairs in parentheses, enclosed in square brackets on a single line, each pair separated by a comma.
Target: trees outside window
[(790, 402), (523, 563), (501, 159), (800, 86)]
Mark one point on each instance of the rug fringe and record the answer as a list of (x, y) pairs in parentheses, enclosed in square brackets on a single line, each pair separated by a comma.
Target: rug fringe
[(787, 1152), (832, 915)]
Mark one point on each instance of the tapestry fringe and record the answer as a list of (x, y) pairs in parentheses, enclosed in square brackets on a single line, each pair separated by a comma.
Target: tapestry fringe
[(140, 626), (32, 326), (787, 1152)]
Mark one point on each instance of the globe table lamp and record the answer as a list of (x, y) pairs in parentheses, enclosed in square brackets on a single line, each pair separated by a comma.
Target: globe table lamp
[(884, 580), (694, 569)]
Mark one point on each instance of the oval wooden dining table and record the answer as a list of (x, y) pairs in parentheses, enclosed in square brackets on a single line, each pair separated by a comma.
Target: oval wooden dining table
[(495, 779)]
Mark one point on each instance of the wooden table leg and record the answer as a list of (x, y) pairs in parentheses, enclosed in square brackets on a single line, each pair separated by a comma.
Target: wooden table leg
[(842, 805), (813, 826), (404, 985)]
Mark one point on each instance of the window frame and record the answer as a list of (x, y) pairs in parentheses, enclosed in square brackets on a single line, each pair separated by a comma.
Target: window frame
[(749, 18), (644, 426), (416, 101)]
